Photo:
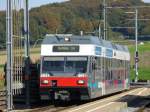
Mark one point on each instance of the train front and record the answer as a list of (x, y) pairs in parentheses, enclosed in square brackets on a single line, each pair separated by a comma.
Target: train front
[(63, 71)]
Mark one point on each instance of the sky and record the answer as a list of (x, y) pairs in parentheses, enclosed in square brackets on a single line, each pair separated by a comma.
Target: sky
[(36, 3), (147, 1), (32, 3)]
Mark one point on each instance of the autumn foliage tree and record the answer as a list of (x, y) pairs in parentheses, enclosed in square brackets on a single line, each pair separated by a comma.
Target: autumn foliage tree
[(76, 15)]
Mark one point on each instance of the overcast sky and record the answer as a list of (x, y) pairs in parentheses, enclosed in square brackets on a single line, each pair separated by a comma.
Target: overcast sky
[(36, 3)]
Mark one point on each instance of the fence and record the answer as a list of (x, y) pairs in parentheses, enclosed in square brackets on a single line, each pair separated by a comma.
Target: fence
[(3, 59), (2, 42), (2, 63)]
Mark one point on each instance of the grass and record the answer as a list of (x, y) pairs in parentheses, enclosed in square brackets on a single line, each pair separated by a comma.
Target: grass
[(35, 53), (1, 66), (1, 84), (1, 77), (144, 63), (144, 74)]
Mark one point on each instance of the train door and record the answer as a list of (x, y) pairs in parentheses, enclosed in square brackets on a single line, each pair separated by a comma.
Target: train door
[(91, 76), (98, 76), (103, 76)]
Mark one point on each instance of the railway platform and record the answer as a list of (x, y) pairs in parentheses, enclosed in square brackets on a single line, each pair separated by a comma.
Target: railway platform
[(133, 100), (130, 101)]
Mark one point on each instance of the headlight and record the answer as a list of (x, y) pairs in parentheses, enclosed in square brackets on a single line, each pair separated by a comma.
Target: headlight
[(44, 81), (80, 82)]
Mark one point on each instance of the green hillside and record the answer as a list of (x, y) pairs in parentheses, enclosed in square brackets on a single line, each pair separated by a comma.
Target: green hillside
[(76, 15), (86, 15)]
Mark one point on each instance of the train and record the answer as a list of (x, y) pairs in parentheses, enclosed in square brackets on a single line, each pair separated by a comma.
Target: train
[(82, 67)]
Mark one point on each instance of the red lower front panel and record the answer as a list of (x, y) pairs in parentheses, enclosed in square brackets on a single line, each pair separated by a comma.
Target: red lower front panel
[(64, 81)]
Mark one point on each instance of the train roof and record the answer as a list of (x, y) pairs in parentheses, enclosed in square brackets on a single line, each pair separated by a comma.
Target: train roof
[(60, 39), (107, 44), (73, 40)]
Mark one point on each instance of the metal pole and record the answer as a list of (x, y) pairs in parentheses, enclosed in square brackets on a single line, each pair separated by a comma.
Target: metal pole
[(104, 68), (136, 22), (27, 46), (136, 44), (26, 28), (9, 79), (104, 5)]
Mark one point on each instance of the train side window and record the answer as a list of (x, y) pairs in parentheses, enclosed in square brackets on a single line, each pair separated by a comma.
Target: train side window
[(117, 64), (97, 63), (93, 66), (93, 63), (119, 77), (111, 75)]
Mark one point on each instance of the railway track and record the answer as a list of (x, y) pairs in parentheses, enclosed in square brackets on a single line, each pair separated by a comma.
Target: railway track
[(62, 106), (53, 108), (58, 107), (50, 106), (2, 100)]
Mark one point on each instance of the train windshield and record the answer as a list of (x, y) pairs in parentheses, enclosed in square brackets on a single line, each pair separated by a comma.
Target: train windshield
[(61, 66)]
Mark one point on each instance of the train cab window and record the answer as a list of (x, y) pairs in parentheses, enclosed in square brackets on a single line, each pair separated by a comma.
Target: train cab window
[(57, 66), (79, 64), (53, 64)]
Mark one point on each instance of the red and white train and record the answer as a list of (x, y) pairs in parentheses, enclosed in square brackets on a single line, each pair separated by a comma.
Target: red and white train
[(82, 67)]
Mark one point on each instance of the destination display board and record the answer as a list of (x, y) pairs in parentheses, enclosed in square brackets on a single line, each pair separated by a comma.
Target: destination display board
[(65, 48)]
